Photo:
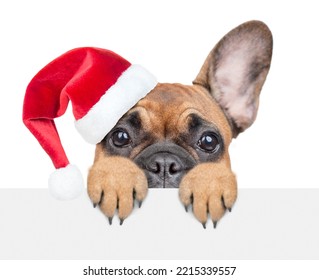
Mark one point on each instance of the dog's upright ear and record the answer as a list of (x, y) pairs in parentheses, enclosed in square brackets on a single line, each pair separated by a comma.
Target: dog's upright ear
[(235, 71)]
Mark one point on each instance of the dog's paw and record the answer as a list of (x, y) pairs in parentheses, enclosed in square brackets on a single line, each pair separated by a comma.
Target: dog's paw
[(211, 188), (114, 183)]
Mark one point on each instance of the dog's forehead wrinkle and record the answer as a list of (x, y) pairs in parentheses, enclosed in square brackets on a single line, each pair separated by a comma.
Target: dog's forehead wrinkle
[(166, 109), (132, 118)]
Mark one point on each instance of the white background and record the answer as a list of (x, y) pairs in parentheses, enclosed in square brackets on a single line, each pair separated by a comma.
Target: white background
[(245, 270), (171, 39)]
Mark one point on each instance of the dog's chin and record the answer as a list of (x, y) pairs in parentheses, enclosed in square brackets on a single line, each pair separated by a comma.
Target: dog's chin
[(167, 181), (165, 164)]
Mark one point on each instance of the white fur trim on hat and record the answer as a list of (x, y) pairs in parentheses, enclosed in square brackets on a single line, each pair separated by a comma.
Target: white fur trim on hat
[(66, 183), (131, 86)]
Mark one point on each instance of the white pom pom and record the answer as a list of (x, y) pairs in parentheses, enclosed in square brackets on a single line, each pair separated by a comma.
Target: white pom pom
[(66, 183)]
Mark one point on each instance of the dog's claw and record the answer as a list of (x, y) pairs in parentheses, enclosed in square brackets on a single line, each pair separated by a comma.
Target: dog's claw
[(140, 203), (204, 225), (94, 205), (186, 208), (229, 209), (110, 220), (215, 224), (121, 221)]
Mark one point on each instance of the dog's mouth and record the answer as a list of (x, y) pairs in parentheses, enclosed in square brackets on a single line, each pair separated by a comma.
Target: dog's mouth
[(165, 164)]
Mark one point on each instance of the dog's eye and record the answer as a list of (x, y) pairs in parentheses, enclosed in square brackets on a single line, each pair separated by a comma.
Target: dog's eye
[(208, 142), (121, 138)]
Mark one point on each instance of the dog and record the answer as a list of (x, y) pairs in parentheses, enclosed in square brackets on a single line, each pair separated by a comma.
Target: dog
[(178, 136)]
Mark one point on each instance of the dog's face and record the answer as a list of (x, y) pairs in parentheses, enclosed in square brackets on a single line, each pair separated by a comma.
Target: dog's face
[(178, 136), (172, 129)]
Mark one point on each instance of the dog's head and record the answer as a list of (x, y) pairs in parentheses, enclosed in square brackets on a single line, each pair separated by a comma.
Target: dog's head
[(176, 127)]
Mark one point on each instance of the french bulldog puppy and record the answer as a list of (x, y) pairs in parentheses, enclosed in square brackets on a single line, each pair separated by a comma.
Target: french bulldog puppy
[(178, 135)]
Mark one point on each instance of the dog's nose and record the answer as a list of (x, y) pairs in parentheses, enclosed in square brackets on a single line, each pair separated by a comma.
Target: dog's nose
[(164, 164), (166, 169)]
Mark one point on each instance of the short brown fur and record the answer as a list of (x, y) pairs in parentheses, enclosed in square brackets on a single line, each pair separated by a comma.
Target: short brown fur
[(228, 104)]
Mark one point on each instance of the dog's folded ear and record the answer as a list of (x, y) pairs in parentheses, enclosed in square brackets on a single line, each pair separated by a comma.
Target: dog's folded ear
[(235, 71)]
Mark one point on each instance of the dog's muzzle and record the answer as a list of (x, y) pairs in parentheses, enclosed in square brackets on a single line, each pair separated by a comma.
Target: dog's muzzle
[(165, 164)]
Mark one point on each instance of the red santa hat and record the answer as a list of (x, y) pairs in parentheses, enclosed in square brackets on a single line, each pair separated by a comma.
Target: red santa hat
[(101, 85)]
